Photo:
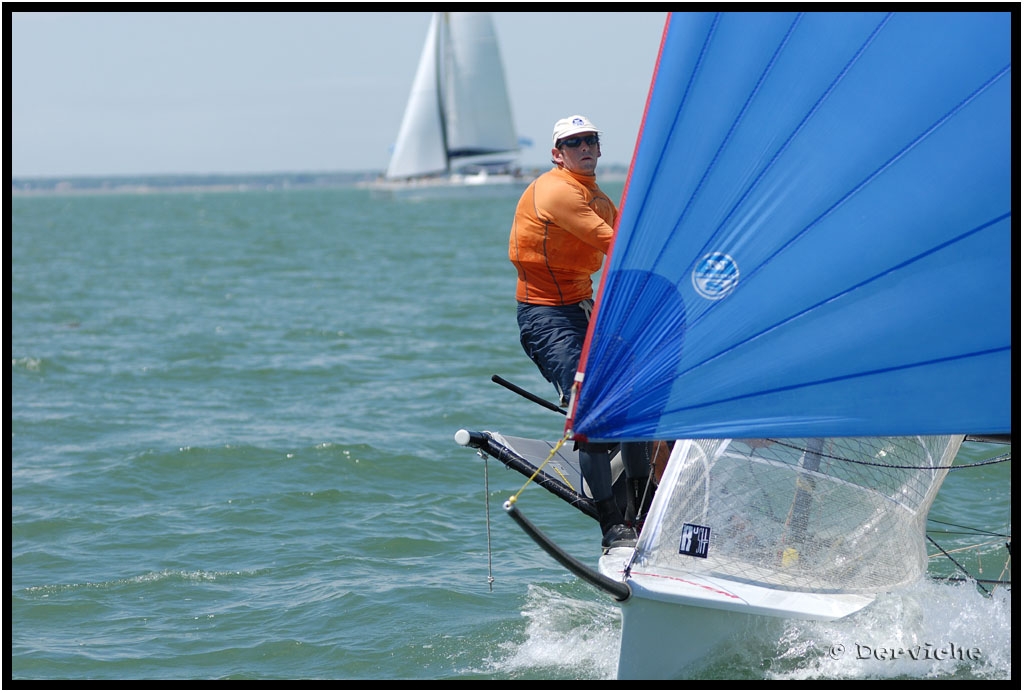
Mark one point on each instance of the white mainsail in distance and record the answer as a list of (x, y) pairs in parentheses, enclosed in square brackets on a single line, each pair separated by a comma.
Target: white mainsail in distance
[(458, 118)]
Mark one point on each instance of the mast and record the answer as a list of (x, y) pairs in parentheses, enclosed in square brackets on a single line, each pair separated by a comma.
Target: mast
[(441, 63)]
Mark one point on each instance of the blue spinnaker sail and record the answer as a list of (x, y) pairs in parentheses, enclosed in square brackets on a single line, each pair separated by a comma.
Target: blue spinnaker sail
[(816, 234)]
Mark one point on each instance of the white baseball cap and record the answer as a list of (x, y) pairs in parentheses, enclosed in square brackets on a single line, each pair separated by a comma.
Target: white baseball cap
[(573, 125)]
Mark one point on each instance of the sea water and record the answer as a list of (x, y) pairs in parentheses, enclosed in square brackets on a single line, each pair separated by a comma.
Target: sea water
[(232, 457)]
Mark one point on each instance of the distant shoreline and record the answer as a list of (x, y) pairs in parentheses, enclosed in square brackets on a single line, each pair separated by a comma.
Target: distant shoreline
[(193, 183), (141, 185)]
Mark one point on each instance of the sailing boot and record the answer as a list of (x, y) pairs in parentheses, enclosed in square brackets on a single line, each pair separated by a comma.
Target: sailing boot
[(639, 493), (636, 458), (614, 530)]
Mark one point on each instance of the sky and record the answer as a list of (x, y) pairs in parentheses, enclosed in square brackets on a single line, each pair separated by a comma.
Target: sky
[(142, 93)]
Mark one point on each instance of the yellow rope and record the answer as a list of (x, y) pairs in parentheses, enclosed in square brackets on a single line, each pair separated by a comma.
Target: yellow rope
[(565, 479), (555, 449)]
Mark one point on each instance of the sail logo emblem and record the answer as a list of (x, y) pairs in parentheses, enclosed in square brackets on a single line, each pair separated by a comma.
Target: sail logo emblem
[(715, 276), (695, 540)]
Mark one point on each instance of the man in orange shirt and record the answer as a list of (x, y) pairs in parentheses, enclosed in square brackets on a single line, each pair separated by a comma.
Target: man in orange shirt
[(561, 233)]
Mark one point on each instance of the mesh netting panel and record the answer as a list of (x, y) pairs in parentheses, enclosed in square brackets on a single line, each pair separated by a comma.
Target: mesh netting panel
[(834, 514)]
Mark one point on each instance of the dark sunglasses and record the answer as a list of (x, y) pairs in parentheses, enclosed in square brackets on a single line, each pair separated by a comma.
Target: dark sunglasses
[(574, 142)]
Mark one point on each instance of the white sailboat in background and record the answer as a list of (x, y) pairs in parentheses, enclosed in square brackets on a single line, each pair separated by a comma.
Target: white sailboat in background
[(457, 130)]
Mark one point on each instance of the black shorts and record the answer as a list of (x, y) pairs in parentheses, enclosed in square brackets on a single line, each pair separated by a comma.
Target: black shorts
[(553, 337)]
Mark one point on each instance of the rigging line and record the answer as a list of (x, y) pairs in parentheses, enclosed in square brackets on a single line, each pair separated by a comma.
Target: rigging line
[(565, 480), (973, 533), (555, 449), (965, 571), (975, 579), (487, 513), (951, 467), (971, 529), (972, 547), (994, 460), (1006, 568)]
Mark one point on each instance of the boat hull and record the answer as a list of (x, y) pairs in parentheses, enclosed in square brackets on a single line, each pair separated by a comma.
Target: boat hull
[(672, 624), (450, 187), (668, 641)]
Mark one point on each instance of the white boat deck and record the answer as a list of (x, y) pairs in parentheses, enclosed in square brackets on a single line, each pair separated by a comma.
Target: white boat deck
[(719, 592)]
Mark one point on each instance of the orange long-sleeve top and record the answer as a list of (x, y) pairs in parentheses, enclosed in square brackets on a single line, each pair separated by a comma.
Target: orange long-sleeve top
[(561, 232)]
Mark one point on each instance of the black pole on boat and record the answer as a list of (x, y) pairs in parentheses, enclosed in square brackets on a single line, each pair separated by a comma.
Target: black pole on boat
[(485, 443), (999, 439), (619, 590), (528, 395)]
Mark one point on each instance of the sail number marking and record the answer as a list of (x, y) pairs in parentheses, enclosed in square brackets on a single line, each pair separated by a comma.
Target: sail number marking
[(694, 540)]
